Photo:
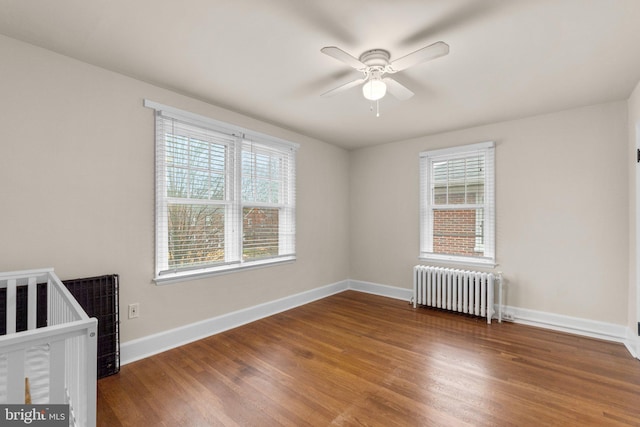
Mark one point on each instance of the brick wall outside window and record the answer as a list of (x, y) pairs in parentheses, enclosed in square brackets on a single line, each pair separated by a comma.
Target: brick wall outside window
[(454, 232)]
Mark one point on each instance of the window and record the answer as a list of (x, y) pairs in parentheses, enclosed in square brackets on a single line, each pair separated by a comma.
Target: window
[(458, 205), (225, 197)]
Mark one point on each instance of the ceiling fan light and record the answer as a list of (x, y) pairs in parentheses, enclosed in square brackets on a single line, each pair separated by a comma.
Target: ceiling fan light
[(374, 89)]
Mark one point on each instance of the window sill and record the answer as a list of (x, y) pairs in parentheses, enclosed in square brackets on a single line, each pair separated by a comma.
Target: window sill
[(459, 260), (170, 278)]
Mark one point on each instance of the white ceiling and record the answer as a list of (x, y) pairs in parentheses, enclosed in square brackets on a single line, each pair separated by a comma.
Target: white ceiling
[(261, 58)]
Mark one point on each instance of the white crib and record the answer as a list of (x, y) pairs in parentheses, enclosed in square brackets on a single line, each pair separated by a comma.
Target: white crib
[(59, 359)]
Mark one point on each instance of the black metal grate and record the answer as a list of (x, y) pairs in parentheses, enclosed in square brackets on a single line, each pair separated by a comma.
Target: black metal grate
[(98, 296)]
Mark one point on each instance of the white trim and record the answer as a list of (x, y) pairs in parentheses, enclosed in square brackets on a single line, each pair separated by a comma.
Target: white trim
[(634, 339), (458, 260), (633, 343), (183, 276), (458, 149), (382, 290), (217, 125), (573, 325), (140, 348)]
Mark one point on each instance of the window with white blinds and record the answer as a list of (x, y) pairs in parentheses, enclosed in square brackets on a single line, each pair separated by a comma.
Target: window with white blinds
[(225, 197), (457, 207)]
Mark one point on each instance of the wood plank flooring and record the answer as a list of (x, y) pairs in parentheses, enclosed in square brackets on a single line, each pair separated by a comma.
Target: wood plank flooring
[(359, 359)]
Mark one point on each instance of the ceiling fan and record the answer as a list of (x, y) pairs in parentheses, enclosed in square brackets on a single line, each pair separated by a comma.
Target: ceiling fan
[(374, 65)]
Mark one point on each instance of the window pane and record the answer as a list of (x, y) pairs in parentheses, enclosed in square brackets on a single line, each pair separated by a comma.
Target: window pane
[(198, 154), (196, 235), (217, 186), (475, 179), (475, 193), (458, 181), (195, 168), (456, 170), (177, 150), (456, 194), (479, 230), (199, 184), (260, 233), (177, 182), (439, 179), (458, 232), (262, 176)]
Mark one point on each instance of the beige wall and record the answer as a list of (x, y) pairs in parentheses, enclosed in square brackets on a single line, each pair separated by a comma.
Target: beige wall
[(77, 172), (634, 209), (562, 210), (77, 186)]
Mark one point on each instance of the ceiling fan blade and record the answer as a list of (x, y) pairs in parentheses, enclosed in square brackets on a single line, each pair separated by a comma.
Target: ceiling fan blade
[(396, 89), (320, 17), (344, 87), (341, 55), (458, 16), (432, 51)]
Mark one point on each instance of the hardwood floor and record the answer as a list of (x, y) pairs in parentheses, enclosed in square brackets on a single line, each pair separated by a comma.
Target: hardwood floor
[(360, 359)]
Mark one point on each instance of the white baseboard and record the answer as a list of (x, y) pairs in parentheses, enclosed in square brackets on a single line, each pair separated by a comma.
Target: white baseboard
[(572, 325), (140, 348), (557, 322), (382, 290), (633, 343), (131, 351)]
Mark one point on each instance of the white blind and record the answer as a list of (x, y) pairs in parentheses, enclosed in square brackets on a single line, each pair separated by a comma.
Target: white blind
[(268, 201), (222, 200), (458, 204)]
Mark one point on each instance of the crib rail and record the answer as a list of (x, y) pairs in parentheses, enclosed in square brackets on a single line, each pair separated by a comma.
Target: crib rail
[(69, 338)]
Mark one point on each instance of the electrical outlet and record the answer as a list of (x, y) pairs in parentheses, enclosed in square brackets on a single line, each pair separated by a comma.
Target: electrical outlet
[(134, 310), (508, 317)]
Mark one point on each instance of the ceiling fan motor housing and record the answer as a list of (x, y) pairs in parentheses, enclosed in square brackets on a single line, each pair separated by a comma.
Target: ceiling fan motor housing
[(375, 58)]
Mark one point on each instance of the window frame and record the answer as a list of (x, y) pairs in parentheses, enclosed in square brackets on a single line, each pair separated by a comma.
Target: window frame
[(427, 207), (237, 140)]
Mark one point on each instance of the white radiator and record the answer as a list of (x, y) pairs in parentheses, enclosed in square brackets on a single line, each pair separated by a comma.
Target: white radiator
[(470, 292)]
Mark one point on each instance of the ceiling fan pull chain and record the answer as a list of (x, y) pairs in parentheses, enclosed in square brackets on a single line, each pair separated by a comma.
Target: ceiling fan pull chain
[(377, 108)]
